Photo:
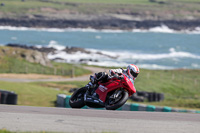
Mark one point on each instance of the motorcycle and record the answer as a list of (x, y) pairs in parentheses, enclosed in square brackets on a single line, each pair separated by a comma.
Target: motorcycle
[(110, 95)]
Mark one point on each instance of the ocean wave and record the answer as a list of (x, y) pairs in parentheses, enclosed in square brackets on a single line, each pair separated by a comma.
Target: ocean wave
[(77, 57), (195, 31), (172, 54), (123, 64), (171, 60), (56, 45), (52, 44), (108, 63), (155, 66), (12, 28), (162, 29), (123, 58), (13, 38), (195, 65), (122, 55), (158, 29), (166, 29)]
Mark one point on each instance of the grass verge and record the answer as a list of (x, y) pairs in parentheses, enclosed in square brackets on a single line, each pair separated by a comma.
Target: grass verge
[(18, 60), (14, 65), (7, 131), (47, 7), (31, 94), (180, 87), (39, 93)]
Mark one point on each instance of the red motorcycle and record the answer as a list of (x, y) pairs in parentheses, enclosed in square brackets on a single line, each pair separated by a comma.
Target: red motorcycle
[(110, 95)]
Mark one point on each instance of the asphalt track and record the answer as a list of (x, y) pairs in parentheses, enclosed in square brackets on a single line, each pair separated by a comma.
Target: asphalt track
[(27, 118)]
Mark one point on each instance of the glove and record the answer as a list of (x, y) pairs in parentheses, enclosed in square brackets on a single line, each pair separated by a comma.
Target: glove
[(118, 76), (121, 77)]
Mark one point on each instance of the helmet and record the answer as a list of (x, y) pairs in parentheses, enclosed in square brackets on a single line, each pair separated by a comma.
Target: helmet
[(132, 71)]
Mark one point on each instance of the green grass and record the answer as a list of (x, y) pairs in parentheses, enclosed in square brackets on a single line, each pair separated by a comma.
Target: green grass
[(108, 2), (124, 1), (177, 8), (4, 131), (63, 86), (180, 87), (7, 131), (15, 63), (70, 68), (31, 94), (31, 6), (39, 93)]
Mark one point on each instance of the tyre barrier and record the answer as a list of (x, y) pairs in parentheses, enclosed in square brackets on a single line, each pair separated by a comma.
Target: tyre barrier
[(63, 101), (7, 97), (141, 96)]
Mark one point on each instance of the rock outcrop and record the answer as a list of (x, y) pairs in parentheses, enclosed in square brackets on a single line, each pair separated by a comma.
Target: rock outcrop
[(69, 50), (33, 56)]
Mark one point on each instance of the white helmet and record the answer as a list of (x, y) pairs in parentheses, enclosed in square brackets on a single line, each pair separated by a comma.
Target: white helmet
[(132, 71)]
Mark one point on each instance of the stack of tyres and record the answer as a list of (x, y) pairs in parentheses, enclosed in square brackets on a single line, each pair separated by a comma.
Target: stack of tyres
[(7, 97), (155, 97), (141, 96)]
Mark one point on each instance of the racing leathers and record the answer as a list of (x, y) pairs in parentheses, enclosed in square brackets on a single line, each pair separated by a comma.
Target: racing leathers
[(113, 73)]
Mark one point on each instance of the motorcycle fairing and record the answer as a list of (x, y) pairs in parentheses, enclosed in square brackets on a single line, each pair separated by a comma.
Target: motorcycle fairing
[(105, 88), (129, 83)]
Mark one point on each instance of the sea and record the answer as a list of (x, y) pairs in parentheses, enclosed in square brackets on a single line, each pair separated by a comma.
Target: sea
[(154, 48)]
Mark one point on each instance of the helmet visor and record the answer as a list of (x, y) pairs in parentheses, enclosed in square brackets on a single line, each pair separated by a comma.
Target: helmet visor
[(134, 74)]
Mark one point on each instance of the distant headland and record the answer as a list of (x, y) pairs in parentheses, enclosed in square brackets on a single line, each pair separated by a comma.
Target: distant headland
[(100, 23)]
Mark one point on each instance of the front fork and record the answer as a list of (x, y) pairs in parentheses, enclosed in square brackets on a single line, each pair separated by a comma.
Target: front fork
[(92, 85), (91, 97), (117, 93)]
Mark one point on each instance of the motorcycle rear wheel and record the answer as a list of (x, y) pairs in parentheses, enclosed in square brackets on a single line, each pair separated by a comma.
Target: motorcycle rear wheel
[(113, 103), (77, 98)]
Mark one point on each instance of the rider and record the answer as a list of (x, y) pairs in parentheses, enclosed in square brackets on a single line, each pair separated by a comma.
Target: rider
[(131, 72)]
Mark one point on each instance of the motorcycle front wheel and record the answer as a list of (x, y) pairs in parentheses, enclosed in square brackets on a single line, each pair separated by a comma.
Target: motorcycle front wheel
[(116, 99), (77, 98)]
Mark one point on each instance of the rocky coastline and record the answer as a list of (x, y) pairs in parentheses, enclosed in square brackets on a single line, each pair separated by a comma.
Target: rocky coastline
[(28, 54), (68, 50), (101, 23)]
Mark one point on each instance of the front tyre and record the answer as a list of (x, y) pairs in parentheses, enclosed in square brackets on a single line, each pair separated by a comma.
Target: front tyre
[(77, 98), (116, 99)]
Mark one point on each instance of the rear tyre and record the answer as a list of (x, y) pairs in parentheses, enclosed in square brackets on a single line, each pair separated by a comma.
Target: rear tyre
[(77, 98), (116, 99)]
